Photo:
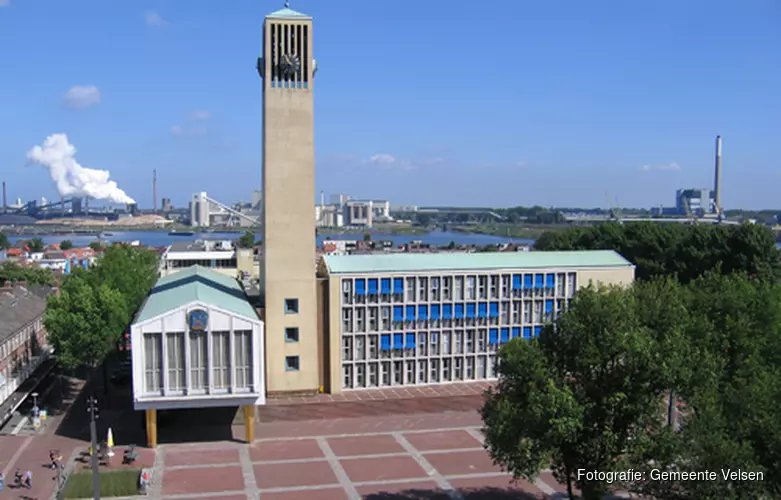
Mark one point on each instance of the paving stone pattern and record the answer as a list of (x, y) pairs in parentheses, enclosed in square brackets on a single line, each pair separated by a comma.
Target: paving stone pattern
[(423, 457)]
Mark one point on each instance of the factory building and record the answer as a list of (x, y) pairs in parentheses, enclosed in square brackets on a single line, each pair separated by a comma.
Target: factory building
[(197, 343), (415, 319)]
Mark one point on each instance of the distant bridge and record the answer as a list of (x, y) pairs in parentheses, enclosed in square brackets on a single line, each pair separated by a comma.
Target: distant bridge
[(661, 220), (456, 210)]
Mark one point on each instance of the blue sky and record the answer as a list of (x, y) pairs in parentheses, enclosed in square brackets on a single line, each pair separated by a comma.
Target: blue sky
[(501, 103)]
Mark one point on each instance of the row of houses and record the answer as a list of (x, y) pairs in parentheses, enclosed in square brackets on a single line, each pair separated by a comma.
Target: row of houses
[(51, 257)]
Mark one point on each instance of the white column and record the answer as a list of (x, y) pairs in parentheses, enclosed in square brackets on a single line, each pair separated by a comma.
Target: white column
[(164, 356), (209, 357), (232, 357), (186, 364)]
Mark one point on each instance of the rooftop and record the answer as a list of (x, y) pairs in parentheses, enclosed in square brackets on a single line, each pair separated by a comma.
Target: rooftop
[(19, 306), (287, 13), (199, 246), (484, 261), (195, 284)]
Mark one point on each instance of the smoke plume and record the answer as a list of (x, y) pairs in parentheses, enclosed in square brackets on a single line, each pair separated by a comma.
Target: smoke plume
[(58, 156)]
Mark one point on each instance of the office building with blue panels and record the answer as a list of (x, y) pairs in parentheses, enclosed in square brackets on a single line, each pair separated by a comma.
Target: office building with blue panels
[(419, 319)]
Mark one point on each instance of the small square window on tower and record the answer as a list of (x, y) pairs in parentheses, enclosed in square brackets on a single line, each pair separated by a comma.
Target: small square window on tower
[(291, 334), (292, 363), (291, 306)]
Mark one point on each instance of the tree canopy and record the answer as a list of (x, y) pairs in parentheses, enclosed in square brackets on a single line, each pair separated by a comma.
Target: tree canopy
[(687, 251), (36, 245), (66, 245), (590, 392), (5, 243), (95, 306), (247, 240), (10, 271)]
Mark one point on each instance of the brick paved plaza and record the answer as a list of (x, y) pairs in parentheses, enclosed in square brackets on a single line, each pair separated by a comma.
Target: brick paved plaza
[(425, 456)]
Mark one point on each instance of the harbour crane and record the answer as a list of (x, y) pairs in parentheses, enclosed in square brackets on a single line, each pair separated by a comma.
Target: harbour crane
[(615, 209)]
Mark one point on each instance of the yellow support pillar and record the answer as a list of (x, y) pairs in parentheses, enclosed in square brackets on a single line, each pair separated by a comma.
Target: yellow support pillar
[(249, 423), (151, 428)]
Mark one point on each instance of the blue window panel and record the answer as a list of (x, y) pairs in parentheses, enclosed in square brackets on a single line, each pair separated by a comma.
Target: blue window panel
[(213, 263), (447, 311), (527, 332), (504, 335), (360, 287), (398, 313), (493, 310), (422, 312), (470, 310), (373, 286), (398, 341), (517, 285), (433, 337), (548, 306), (410, 341), (410, 316), (493, 336), (482, 310), (435, 311), (539, 281), (385, 286), (550, 281), (516, 331), (385, 342), (398, 285), (537, 330), (459, 311), (528, 281)]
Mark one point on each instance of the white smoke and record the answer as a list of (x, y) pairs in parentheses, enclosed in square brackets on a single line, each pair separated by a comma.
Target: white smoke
[(57, 155)]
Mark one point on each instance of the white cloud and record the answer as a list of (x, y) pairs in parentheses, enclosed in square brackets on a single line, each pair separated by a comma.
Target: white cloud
[(200, 114), (386, 160), (665, 167), (82, 96), (179, 131), (5, 3), (154, 19)]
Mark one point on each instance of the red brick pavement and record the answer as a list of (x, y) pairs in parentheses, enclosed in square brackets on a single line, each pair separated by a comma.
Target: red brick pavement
[(34, 456), (305, 459), (216, 479)]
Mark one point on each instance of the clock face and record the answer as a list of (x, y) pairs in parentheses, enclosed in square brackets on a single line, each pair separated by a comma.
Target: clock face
[(289, 65)]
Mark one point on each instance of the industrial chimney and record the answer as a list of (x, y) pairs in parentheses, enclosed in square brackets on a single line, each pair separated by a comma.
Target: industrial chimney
[(717, 181), (154, 190), (5, 198)]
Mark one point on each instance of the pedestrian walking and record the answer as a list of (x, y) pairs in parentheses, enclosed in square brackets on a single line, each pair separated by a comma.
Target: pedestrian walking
[(28, 479), (2, 481)]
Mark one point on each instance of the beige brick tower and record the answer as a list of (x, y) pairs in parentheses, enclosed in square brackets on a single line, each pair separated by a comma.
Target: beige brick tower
[(288, 269)]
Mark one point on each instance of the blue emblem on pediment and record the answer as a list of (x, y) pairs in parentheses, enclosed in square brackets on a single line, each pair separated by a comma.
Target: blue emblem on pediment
[(198, 320)]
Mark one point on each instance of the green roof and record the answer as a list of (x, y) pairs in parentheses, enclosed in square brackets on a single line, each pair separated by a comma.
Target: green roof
[(287, 13), (195, 284), (483, 261)]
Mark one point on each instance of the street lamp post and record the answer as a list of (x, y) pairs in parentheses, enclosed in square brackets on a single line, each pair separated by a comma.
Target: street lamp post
[(92, 408), (35, 404)]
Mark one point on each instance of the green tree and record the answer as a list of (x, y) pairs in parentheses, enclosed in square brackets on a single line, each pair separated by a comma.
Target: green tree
[(247, 240), (10, 271), (36, 245), (96, 245), (66, 245), (732, 419), (582, 394), (5, 243), (83, 321), (686, 251), (130, 270)]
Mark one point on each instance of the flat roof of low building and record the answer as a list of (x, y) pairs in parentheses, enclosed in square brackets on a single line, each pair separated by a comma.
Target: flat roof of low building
[(481, 261), (195, 284)]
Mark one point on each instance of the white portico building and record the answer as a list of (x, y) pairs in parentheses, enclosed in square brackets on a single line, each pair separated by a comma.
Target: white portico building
[(197, 343)]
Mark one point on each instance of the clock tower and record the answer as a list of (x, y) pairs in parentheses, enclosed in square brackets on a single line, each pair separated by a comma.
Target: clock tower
[(287, 69)]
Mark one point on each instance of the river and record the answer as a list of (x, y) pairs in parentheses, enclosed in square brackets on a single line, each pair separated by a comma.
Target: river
[(162, 238)]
